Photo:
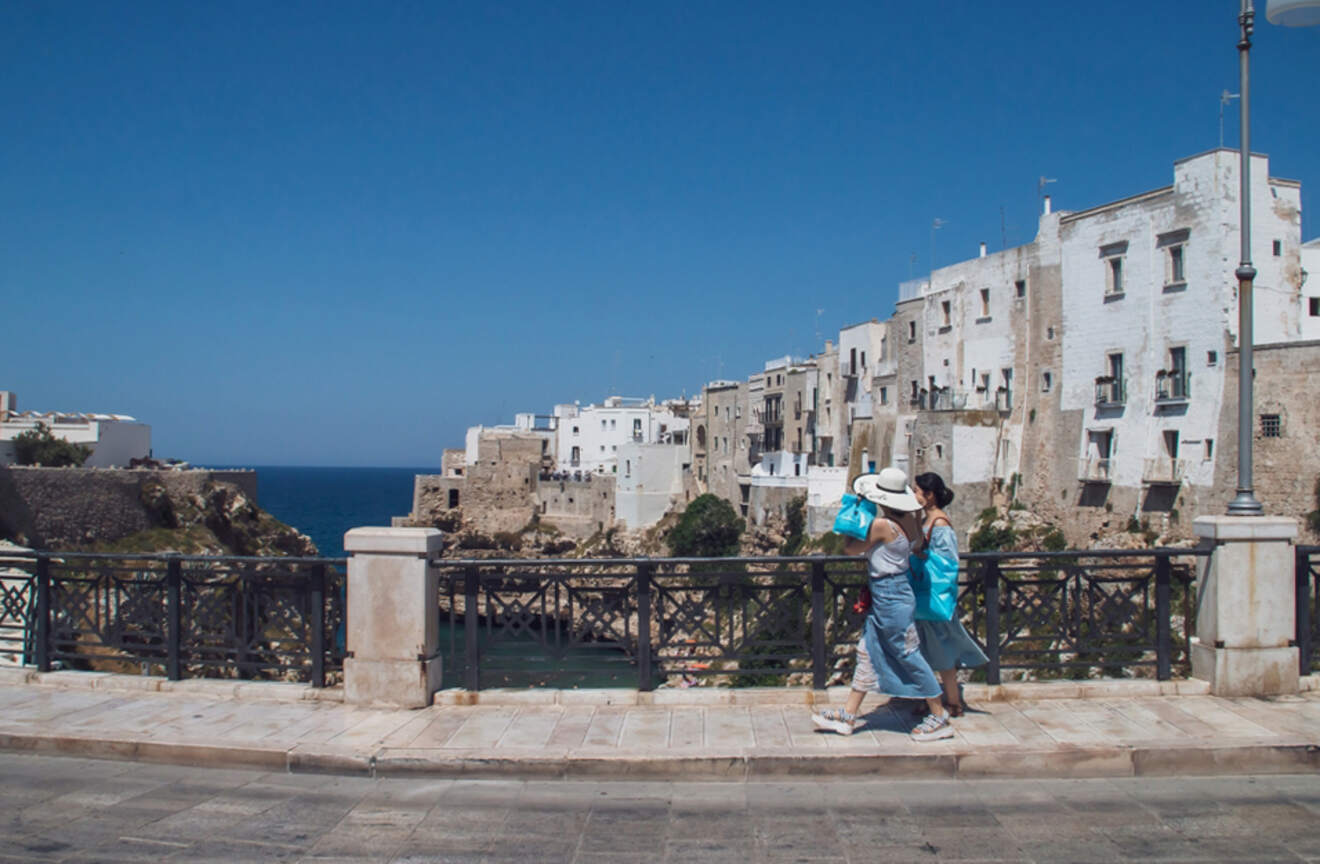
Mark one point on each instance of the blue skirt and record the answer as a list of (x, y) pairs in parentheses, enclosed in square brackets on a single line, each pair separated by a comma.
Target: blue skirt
[(947, 645), (893, 643)]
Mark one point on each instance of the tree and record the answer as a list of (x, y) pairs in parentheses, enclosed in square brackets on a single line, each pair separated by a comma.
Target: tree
[(40, 447), (708, 528), (797, 522)]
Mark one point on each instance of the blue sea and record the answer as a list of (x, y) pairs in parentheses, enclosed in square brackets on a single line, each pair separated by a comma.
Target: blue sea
[(324, 503)]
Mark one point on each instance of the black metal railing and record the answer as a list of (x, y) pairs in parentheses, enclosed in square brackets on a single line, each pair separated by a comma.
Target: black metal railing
[(1307, 572), (178, 615), (790, 620)]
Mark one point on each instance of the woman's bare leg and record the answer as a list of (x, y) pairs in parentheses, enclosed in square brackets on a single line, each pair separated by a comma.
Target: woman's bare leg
[(854, 704), (949, 678)]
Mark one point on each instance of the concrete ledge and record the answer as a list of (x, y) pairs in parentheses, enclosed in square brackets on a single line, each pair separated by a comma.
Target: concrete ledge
[(1054, 764), (304, 759), (210, 688), (198, 755), (792, 696), (1261, 759)]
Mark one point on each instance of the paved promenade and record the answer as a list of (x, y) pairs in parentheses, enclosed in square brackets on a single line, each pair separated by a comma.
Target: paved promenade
[(1118, 730)]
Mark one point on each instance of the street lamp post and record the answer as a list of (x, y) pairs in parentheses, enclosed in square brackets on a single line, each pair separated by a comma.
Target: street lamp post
[(1290, 13), (1245, 503)]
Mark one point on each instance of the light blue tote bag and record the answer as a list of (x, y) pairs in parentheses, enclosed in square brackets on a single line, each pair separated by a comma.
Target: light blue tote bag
[(935, 583), (855, 517)]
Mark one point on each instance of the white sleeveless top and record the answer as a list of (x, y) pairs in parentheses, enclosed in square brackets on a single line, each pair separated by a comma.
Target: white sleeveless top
[(889, 559)]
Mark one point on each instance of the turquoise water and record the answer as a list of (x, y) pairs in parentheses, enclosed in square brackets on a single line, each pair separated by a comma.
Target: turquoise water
[(324, 503)]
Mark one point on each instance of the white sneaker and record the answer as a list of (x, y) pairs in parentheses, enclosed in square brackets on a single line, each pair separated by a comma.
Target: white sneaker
[(933, 728), (835, 720)]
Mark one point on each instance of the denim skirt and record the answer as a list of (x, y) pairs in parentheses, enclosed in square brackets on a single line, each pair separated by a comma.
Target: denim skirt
[(893, 643), (948, 645)]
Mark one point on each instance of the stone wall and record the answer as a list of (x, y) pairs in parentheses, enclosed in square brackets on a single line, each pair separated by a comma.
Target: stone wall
[(1284, 468), (74, 507), (578, 507)]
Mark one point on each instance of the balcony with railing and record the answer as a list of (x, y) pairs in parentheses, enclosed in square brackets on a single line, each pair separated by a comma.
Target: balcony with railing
[(1094, 469), (1163, 470), (1172, 386), (947, 399), (1110, 392)]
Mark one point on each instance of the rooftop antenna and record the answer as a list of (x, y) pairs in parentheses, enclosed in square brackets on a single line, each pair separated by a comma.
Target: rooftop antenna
[(1042, 183), (935, 225), (1224, 99)]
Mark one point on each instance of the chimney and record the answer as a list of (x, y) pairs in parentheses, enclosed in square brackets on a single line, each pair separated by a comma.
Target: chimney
[(1047, 205), (982, 250)]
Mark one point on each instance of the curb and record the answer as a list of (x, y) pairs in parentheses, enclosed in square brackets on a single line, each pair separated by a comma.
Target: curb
[(990, 763)]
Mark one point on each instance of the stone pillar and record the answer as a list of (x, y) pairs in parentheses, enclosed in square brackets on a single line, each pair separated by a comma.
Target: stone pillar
[(1245, 615), (393, 616)]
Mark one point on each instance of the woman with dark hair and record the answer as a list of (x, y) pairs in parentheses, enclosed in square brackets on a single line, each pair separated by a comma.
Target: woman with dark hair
[(945, 644), (889, 658)]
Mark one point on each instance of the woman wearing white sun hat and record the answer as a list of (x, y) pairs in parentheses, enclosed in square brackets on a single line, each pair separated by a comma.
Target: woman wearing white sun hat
[(889, 656)]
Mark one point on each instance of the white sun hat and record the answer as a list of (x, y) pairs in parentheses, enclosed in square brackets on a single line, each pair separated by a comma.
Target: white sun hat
[(887, 489)]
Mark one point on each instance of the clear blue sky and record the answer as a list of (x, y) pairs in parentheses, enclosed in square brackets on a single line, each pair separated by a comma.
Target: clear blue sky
[(339, 234)]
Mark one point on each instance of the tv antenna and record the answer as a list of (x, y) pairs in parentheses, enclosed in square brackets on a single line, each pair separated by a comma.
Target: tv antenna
[(935, 225), (1224, 99)]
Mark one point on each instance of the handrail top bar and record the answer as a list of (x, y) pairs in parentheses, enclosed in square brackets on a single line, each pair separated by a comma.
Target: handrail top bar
[(1198, 551), (811, 559), (169, 556)]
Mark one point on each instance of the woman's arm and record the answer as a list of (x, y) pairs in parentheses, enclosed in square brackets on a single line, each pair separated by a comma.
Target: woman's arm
[(882, 531)]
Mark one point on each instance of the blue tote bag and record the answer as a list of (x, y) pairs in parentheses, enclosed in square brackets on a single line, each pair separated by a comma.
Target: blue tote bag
[(935, 583), (855, 517)]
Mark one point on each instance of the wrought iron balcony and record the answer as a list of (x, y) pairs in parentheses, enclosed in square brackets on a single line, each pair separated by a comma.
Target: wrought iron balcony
[(1163, 470), (1093, 469), (948, 399), (1110, 392), (1172, 386)]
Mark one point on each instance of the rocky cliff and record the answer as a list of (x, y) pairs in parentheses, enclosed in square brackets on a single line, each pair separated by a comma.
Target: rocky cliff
[(110, 510)]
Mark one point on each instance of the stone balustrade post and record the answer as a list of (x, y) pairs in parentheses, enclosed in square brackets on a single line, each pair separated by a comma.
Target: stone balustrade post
[(392, 617), (1245, 614)]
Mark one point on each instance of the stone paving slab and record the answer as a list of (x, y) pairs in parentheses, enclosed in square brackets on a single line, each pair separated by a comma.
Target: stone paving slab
[(1107, 735)]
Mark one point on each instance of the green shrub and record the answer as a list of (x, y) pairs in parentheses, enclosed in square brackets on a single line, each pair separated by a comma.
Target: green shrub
[(39, 447), (988, 538), (989, 514), (475, 541), (1054, 541), (708, 528), (1133, 526)]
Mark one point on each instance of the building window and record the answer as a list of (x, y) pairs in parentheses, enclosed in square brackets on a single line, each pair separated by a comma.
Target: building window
[(1211, 358), (1020, 286), (1049, 332), (912, 331), (1046, 381), (916, 388), (884, 395), (863, 361), (1278, 248), (602, 448), (453, 498), (1271, 426), (1315, 306), (939, 451), (945, 309), (1175, 275), (575, 430), (613, 425), (1114, 277), (985, 302), (1209, 448), (627, 467)]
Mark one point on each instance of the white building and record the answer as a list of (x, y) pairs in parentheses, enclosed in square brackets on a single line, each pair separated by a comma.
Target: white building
[(588, 438), (1150, 308), (649, 482), (115, 439), (1311, 289)]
